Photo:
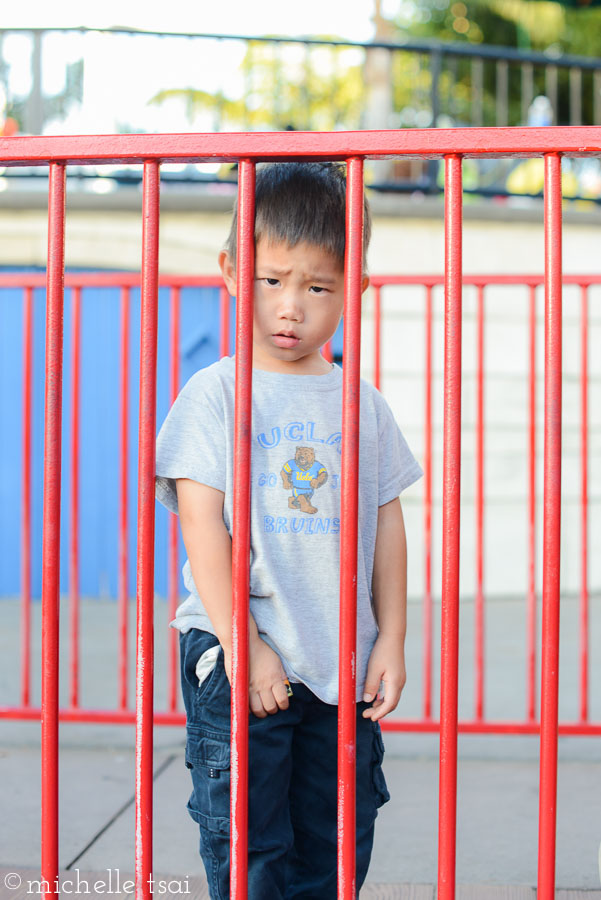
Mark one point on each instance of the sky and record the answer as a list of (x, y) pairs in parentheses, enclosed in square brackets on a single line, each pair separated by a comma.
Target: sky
[(122, 73), (346, 18)]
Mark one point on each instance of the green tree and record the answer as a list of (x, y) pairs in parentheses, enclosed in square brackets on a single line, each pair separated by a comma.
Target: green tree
[(536, 25), (527, 24)]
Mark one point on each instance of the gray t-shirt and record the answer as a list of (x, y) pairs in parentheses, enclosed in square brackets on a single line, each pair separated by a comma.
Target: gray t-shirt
[(295, 504)]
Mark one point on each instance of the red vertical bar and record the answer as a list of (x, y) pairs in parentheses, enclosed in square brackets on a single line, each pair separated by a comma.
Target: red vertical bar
[(531, 604), (353, 270), (584, 594), (145, 558), (26, 499), (327, 352), (479, 599), (551, 531), (377, 335), (224, 322), (74, 536), (123, 492), (450, 531), (427, 626), (51, 534), (241, 531), (172, 634)]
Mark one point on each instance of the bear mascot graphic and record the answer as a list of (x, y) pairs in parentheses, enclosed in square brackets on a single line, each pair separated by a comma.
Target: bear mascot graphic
[(303, 475)]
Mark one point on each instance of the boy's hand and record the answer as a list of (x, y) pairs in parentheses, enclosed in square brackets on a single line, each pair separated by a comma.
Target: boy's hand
[(386, 664), (267, 680)]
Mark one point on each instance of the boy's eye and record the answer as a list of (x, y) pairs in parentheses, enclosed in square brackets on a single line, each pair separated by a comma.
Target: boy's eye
[(316, 289), (272, 282)]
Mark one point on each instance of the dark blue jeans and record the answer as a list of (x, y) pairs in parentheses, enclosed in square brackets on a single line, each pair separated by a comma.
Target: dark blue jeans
[(292, 786)]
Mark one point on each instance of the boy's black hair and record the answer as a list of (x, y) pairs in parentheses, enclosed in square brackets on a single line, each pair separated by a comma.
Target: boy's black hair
[(297, 202)]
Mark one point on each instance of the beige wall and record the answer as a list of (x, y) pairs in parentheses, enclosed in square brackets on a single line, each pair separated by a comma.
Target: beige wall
[(190, 241)]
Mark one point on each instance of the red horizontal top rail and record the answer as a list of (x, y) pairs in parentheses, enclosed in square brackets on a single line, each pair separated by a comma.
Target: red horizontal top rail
[(307, 145), (132, 279), (480, 280), (106, 279)]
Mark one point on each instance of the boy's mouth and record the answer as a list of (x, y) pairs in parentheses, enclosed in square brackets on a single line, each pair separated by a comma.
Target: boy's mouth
[(285, 339)]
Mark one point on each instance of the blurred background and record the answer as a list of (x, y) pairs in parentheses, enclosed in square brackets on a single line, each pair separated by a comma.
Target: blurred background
[(314, 66)]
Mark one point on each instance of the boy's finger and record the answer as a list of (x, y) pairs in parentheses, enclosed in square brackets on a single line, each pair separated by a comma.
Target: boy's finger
[(269, 702), (280, 693), (384, 706), (372, 686), (369, 713), (256, 705)]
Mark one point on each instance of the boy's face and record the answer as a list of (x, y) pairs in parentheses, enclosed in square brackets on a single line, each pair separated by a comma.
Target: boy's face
[(299, 298)]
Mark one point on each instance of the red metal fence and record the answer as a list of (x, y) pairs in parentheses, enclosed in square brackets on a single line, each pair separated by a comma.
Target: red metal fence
[(78, 283), (482, 282), (151, 150)]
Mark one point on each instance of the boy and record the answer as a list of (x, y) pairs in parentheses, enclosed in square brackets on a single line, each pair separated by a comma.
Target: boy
[(294, 578)]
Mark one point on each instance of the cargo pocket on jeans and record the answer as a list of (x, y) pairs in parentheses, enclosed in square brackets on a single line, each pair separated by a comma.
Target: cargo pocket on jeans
[(208, 758), (381, 794)]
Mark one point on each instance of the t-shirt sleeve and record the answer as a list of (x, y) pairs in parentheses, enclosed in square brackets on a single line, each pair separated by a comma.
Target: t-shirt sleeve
[(397, 467), (191, 444)]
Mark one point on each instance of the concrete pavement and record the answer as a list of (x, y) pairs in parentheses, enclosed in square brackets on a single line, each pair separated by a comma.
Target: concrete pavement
[(497, 781)]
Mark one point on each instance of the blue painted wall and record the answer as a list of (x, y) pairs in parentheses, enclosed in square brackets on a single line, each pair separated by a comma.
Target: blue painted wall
[(99, 432)]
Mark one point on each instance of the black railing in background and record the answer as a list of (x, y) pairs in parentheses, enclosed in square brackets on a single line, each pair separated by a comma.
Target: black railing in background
[(316, 84)]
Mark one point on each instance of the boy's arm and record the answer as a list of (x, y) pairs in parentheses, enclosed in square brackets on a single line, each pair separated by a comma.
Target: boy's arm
[(209, 550), (389, 586)]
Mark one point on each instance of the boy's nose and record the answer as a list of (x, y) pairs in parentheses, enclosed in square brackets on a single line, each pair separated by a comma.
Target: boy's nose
[(290, 307)]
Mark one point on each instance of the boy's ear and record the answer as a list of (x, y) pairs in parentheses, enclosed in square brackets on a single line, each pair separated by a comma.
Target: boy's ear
[(364, 285), (228, 270)]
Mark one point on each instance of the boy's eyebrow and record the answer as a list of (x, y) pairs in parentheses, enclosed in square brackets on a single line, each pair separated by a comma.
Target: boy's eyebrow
[(274, 271)]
